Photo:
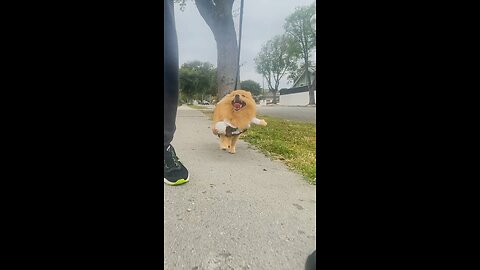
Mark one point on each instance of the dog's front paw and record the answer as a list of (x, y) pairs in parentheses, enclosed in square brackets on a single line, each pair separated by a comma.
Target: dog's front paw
[(214, 129), (223, 146), (263, 122), (223, 143)]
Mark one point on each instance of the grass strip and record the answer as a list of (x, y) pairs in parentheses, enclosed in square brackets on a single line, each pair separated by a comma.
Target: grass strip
[(293, 142)]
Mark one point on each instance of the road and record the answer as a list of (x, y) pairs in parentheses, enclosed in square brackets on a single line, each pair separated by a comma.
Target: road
[(304, 114)]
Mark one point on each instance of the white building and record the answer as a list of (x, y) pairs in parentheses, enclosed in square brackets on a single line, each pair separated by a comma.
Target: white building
[(298, 94)]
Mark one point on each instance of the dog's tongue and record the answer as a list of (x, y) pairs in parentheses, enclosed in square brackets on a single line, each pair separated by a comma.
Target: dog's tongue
[(237, 105)]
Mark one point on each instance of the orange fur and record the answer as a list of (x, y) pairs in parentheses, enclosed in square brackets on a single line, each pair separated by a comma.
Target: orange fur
[(241, 119), (224, 110)]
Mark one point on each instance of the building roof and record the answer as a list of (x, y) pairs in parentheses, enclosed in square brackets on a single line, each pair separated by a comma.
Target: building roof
[(295, 90)]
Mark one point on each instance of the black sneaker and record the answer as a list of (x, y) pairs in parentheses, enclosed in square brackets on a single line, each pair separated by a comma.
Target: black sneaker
[(174, 173)]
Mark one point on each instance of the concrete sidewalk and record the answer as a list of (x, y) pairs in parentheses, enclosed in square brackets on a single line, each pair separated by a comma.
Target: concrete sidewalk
[(240, 211)]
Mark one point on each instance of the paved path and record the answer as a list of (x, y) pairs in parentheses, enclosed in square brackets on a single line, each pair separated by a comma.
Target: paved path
[(240, 211)]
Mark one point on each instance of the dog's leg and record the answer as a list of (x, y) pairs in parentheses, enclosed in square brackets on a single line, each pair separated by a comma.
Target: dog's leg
[(232, 149), (214, 129), (224, 142)]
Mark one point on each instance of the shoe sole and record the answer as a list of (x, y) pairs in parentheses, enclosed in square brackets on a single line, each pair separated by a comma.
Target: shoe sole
[(177, 183)]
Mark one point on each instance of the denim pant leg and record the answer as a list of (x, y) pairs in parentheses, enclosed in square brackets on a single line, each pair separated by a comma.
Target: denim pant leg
[(170, 73)]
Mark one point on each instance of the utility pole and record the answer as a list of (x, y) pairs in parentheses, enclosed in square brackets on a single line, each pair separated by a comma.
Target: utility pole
[(263, 85)]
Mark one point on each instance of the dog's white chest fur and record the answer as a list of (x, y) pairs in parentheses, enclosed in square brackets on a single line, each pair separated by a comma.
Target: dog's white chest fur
[(221, 128)]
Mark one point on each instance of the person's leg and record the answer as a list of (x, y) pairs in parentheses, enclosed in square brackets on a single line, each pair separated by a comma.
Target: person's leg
[(170, 73), (174, 173)]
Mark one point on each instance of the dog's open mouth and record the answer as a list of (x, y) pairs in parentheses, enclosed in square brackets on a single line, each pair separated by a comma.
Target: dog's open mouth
[(238, 103), (238, 106)]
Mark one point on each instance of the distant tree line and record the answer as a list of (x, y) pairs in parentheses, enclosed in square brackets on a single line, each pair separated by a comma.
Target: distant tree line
[(198, 82)]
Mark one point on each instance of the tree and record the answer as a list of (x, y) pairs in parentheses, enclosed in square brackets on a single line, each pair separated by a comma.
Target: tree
[(295, 73), (251, 86), (197, 80), (299, 27), (218, 16), (274, 60)]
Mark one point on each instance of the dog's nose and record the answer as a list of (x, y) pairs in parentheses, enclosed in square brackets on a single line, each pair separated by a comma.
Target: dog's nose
[(237, 96)]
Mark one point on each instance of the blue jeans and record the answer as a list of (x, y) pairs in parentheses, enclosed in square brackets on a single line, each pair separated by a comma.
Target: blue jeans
[(170, 73)]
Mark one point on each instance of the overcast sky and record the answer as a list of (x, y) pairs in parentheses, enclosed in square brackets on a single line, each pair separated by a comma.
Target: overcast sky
[(262, 20)]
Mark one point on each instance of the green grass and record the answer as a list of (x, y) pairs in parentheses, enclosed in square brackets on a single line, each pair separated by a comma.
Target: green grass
[(293, 142)]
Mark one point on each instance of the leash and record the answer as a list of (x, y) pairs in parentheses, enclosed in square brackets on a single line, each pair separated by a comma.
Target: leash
[(239, 45)]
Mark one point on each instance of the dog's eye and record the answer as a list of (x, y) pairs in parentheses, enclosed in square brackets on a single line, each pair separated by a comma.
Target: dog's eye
[(243, 95)]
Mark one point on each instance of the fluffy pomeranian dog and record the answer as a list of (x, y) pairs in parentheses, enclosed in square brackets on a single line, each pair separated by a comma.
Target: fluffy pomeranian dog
[(232, 116)]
